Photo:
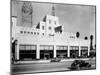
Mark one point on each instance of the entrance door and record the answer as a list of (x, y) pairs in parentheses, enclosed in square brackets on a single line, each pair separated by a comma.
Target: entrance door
[(46, 54), (74, 53), (61, 53), (84, 53)]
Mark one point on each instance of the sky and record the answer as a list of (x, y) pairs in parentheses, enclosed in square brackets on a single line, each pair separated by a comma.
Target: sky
[(74, 18)]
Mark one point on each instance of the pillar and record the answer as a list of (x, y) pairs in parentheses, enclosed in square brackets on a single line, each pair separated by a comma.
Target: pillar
[(79, 51), (54, 51), (88, 50), (68, 51), (38, 52), (17, 51)]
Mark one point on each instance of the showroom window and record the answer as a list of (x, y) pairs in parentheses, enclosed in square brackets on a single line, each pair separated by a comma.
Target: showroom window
[(84, 51), (61, 51), (46, 47), (74, 51), (27, 47), (62, 47), (27, 52)]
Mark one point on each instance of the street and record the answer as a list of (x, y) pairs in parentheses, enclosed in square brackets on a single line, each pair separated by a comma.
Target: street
[(44, 67)]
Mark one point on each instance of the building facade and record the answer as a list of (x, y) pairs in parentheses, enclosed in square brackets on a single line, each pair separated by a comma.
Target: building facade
[(46, 40)]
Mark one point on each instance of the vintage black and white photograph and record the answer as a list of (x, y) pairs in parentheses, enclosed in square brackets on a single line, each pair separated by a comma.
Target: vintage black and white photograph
[(52, 37)]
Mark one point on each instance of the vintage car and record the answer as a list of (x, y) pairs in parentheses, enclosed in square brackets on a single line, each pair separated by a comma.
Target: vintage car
[(80, 64), (55, 60)]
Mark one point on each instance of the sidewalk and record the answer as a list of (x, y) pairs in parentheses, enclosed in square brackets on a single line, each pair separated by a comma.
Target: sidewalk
[(47, 61)]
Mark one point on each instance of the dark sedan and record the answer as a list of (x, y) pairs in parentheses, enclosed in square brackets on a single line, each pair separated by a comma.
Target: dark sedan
[(80, 64)]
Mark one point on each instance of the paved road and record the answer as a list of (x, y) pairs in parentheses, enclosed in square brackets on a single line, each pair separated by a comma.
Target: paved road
[(54, 66), (43, 67)]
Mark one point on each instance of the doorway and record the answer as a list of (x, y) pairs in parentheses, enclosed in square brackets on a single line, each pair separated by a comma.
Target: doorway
[(46, 54)]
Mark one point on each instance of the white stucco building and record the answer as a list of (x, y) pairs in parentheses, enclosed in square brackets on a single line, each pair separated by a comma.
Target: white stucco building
[(46, 40), (43, 41)]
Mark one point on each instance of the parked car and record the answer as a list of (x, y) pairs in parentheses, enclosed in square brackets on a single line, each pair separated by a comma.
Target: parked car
[(55, 60), (80, 64)]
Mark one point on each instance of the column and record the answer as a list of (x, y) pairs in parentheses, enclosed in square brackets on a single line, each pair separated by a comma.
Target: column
[(68, 51), (17, 51), (88, 50), (38, 52), (54, 51), (79, 51)]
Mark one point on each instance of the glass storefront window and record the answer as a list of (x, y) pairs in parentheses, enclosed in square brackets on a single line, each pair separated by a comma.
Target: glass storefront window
[(84, 48), (28, 47), (74, 47), (27, 54), (46, 47), (74, 53), (51, 47), (57, 47), (33, 47), (41, 48), (61, 53), (84, 53), (22, 47), (65, 48), (62, 47)]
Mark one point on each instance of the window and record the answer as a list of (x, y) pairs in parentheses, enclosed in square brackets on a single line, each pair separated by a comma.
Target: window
[(74, 48), (74, 53), (27, 47), (33, 47), (27, 51), (37, 33), (31, 32), (24, 31), (49, 21), (84, 48), (42, 33), (62, 47), (21, 31), (34, 33), (50, 28), (65, 47), (22, 47), (43, 27), (46, 47), (28, 32), (61, 53), (84, 53)]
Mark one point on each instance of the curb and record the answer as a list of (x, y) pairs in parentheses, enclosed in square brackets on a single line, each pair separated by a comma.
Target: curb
[(45, 61)]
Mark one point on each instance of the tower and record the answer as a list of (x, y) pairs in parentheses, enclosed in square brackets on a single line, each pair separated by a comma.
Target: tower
[(53, 10), (27, 14)]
